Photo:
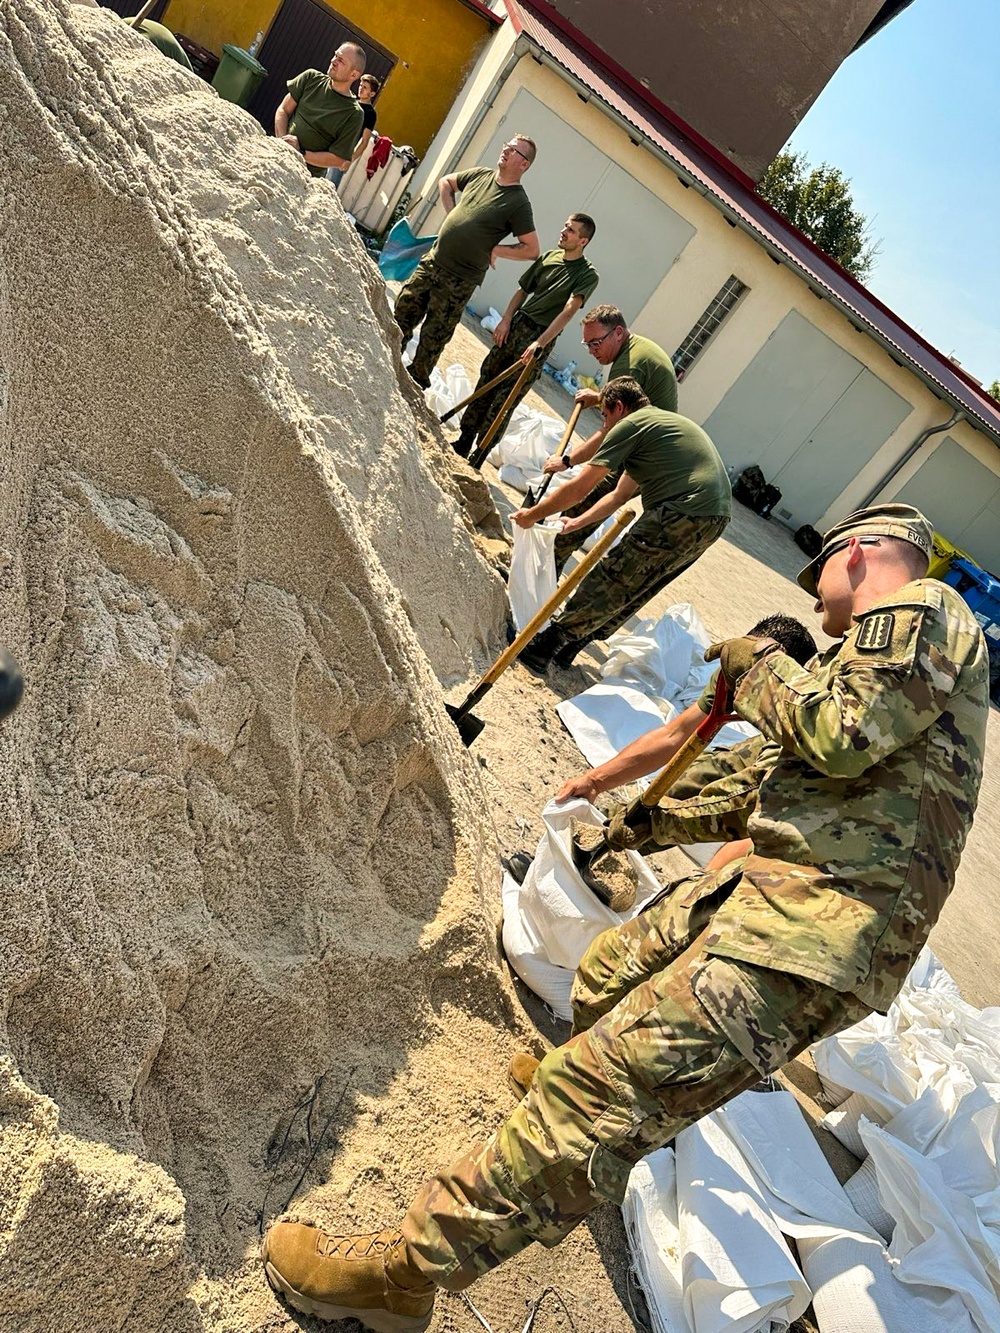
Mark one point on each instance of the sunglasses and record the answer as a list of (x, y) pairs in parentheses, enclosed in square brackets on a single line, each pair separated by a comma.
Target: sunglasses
[(513, 148)]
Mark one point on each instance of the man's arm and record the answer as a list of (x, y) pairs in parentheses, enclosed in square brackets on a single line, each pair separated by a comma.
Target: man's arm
[(326, 159), (579, 453), (366, 135), (284, 113), (564, 498), (448, 192), (604, 507), (553, 331), (864, 705), (513, 305), (527, 248), (648, 754)]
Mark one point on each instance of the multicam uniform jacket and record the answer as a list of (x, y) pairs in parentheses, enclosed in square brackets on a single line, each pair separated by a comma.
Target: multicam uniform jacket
[(858, 798)]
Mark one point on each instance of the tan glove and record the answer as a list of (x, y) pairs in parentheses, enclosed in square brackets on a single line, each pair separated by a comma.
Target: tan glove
[(630, 827), (737, 656)]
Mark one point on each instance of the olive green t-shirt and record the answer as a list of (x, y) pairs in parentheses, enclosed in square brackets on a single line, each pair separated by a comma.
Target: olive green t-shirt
[(324, 121), (672, 460), (650, 365), (550, 282), (164, 41), (485, 214)]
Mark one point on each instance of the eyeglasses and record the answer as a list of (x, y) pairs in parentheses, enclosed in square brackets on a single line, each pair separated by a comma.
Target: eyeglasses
[(513, 148), (840, 546), (592, 344)]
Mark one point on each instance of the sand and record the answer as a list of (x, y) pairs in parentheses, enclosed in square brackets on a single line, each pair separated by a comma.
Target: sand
[(248, 873)]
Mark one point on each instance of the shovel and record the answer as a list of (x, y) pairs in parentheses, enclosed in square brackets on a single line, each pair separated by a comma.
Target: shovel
[(479, 457), (531, 499), (469, 725), (490, 384), (585, 860)]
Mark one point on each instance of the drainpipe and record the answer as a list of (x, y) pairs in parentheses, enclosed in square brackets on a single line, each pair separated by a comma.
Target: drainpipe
[(917, 444), (517, 51)]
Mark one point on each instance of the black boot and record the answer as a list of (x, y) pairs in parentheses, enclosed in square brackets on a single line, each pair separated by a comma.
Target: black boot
[(539, 652), (463, 446), (517, 865), (563, 657)]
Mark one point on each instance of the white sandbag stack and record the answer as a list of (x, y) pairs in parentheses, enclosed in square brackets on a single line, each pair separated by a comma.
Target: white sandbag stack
[(532, 578)]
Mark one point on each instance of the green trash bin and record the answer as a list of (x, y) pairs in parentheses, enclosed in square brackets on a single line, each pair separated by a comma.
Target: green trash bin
[(238, 76)]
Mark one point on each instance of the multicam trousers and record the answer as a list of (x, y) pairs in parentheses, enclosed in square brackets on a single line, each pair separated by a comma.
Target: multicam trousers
[(437, 297), (479, 416), (664, 1033), (660, 545)]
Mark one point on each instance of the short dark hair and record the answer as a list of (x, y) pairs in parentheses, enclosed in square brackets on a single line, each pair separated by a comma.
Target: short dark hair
[(625, 390), (360, 58), (587, 224), (608, 315), (790, 633), (373, 83), (526, 138)]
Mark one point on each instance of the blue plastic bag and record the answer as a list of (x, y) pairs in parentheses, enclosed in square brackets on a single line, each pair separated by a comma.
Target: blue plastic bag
[(403, 251)]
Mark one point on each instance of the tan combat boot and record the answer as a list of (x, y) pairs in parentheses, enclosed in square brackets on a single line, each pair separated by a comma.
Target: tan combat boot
[(520, 1072), (368, 1278)]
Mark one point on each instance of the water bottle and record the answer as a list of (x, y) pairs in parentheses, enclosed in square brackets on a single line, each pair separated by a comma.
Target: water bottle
[(255, 44)]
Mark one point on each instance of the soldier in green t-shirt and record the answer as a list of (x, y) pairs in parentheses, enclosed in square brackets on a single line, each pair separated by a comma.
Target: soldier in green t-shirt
[(493, 205), (320, 117), (676, 470), (611, 343), (546, 298)]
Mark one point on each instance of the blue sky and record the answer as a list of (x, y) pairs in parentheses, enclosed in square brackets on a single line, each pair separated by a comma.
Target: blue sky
[(913, 119)]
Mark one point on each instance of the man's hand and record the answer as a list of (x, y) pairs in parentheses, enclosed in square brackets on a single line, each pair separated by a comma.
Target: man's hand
[(524, 518), (588, 397), (530, 352), (630, 827), (501, 331), (737, 656), (571, 525), (556, 463), (584, 786), (494, 256), (293, 139)]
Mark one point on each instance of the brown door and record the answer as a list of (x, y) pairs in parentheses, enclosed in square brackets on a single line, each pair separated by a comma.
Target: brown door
[(304, 35)]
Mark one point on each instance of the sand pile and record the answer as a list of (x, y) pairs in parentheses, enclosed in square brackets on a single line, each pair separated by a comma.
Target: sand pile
[(241, 850)]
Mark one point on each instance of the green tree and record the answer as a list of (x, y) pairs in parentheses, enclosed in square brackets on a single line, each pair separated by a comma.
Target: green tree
[(819, 202), (994, 390)]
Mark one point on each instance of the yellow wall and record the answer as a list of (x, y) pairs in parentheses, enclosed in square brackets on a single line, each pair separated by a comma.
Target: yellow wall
[(435, 43)]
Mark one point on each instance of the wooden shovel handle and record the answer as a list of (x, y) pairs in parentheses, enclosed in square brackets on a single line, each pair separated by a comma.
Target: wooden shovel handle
[(486, 444), (478, 393), (713, 722)]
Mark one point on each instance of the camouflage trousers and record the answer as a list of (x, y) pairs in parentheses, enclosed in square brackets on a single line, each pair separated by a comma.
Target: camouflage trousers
[(658, 547), (438, 298), (664, 1033), (480, 415)]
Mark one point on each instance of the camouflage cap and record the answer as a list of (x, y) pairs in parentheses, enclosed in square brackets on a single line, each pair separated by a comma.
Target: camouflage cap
[(888, 520)]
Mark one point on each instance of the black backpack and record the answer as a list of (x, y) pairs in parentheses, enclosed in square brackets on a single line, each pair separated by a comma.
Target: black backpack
[(752, 490)]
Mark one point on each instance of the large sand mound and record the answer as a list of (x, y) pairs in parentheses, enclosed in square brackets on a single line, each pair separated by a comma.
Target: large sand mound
[(240, 847)]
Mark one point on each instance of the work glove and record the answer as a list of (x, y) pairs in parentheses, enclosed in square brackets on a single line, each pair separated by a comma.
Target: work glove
[(737, 656), (630, 828)]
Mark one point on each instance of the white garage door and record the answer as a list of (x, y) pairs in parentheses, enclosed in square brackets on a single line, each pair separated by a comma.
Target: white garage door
[(961, 497), (808, 414), (638, 236)]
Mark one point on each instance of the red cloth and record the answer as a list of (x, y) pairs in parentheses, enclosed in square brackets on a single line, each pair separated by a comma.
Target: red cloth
[(379, 155)]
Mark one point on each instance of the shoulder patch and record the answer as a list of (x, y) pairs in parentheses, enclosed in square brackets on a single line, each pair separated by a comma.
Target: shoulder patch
[(875, 632)]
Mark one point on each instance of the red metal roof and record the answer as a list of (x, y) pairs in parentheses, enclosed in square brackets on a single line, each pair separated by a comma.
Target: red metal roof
[(704, 165), (484, 10)]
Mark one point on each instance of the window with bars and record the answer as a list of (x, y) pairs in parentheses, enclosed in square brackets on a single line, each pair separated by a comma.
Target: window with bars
[(719, 307)]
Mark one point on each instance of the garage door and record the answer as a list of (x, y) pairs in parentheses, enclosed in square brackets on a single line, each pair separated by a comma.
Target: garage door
[(961, 497), (809, 414), (638, 236)]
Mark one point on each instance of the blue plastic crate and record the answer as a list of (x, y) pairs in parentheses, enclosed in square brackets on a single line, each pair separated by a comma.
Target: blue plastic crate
[(981, 592)]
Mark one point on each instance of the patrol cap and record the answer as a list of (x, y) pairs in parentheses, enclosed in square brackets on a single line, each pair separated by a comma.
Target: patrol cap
[(888, 520)]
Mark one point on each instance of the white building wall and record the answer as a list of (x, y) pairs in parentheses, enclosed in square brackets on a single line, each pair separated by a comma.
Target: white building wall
[(717, 250)]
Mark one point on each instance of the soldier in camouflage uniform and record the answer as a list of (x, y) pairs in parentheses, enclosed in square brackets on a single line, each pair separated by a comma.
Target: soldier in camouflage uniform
[(858, 798), (493, 205), (674, 467)]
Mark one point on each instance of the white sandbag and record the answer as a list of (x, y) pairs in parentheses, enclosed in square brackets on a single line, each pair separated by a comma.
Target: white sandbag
[(559, 916), (446, 389), (526, 955), (607, 717), (862, 1190), (532, 579), (845, 1120), (490, 321), (738, 1272), (939, 1239), (650, 1213), (519, 454), (590, 542)]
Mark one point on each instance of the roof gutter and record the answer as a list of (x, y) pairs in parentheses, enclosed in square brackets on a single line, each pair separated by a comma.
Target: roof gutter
[(854, 318), (901, 462)]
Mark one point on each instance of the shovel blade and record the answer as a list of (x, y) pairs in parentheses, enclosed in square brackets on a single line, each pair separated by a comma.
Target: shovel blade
[(529, 500), (469, 726)]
